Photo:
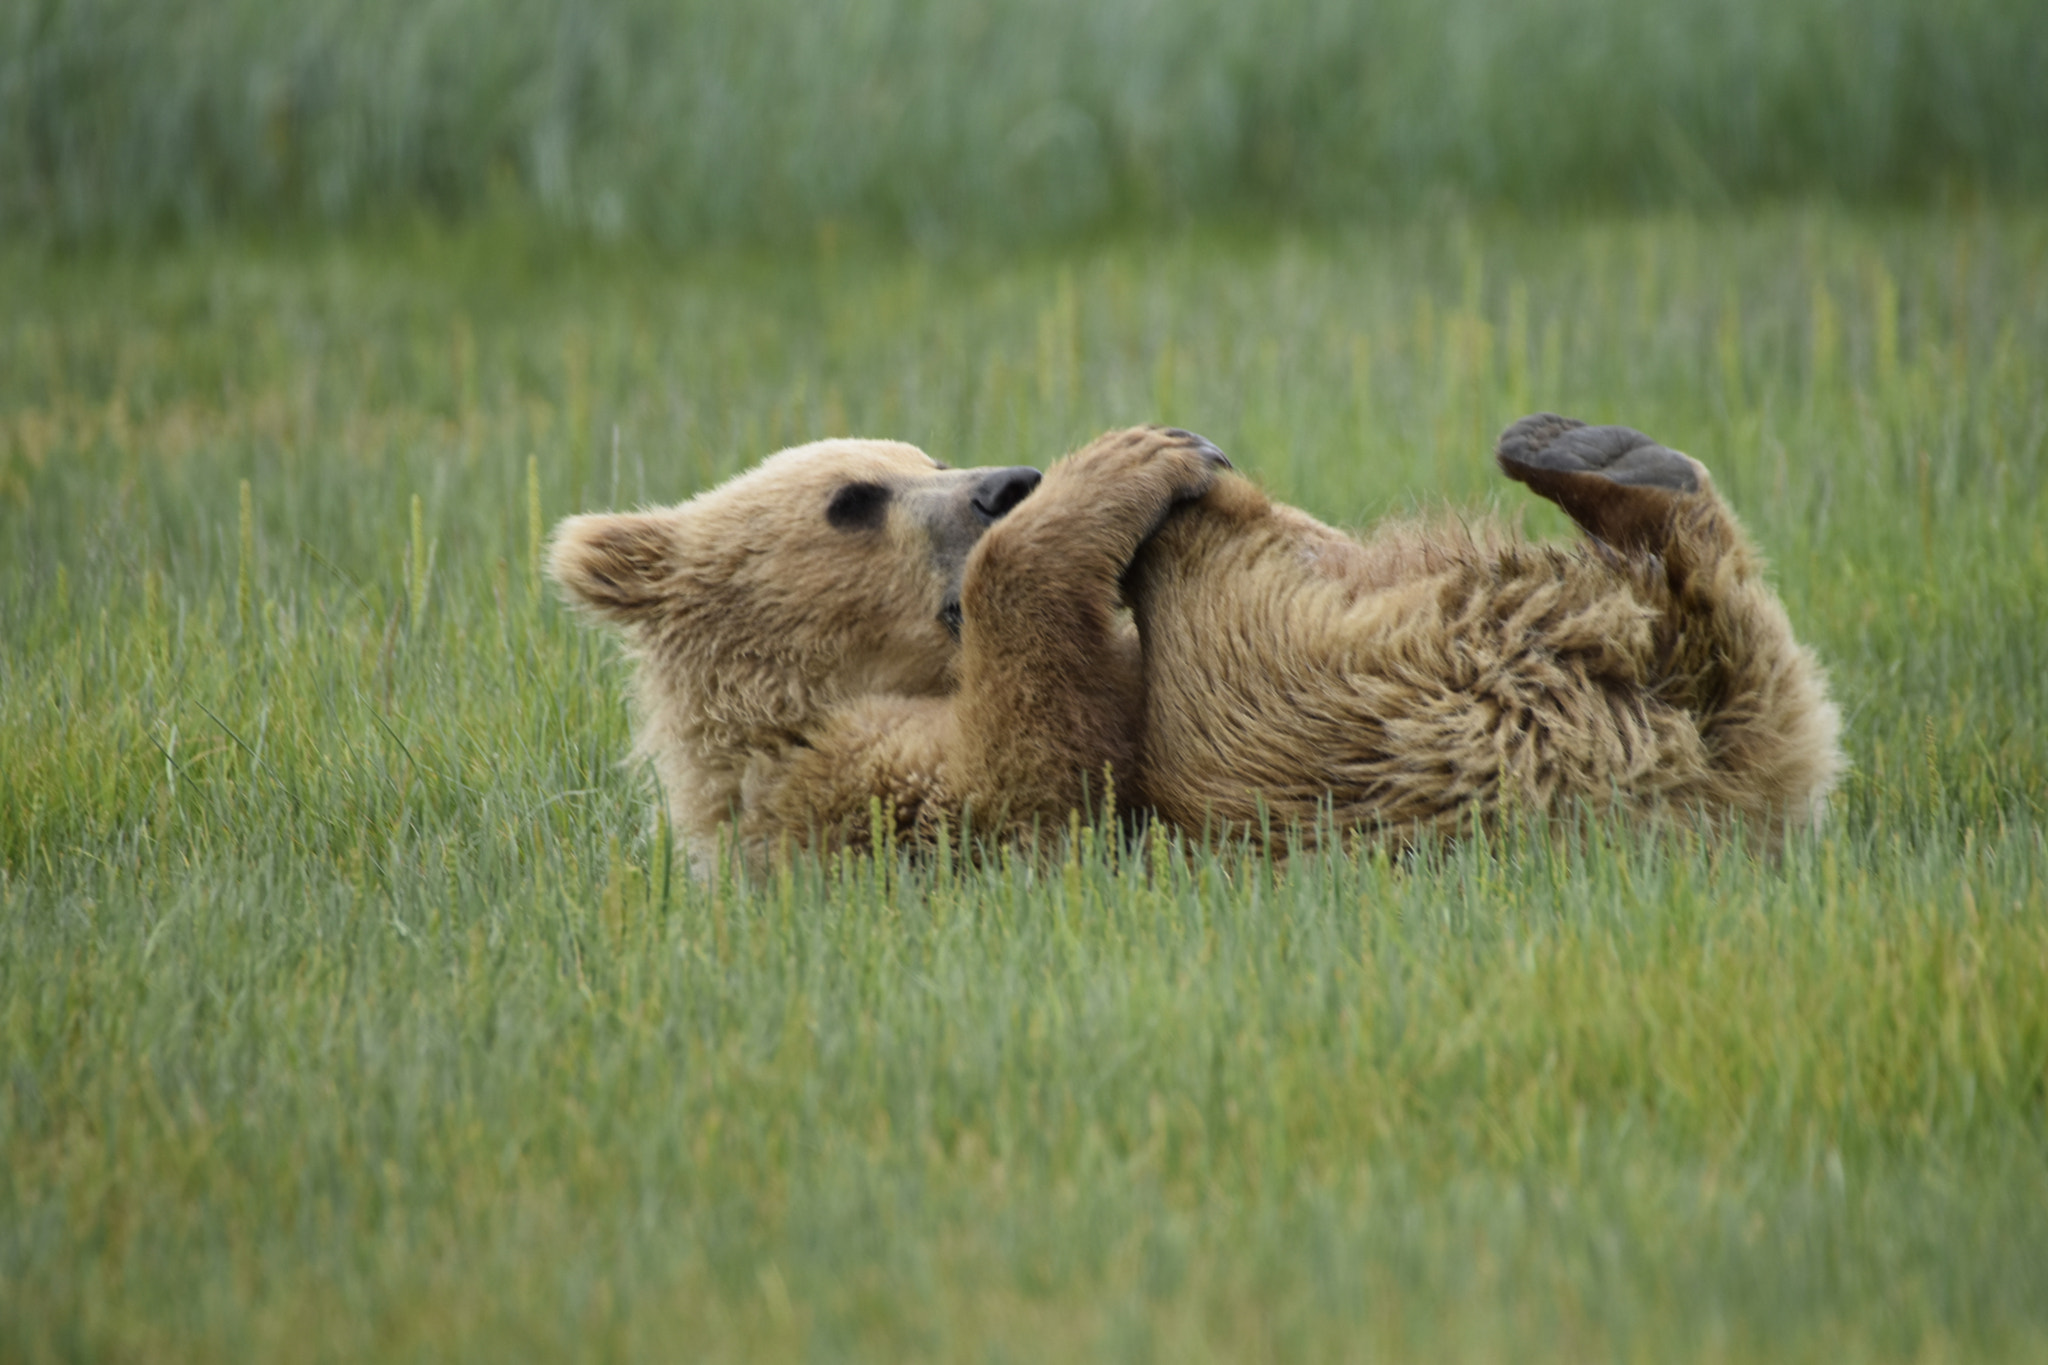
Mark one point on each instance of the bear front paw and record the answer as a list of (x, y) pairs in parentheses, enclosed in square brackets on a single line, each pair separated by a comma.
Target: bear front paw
[(1201, 445), (1177, 465), (1196, 459)]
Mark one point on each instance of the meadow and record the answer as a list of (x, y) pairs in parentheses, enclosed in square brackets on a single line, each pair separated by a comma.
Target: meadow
[(947, 123), (350, 1006)]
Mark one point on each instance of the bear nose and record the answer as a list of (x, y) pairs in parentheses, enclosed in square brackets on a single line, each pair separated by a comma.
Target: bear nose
[(1002, 489)]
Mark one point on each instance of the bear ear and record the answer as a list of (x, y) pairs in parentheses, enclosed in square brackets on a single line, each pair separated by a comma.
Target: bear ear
[(614, 563)]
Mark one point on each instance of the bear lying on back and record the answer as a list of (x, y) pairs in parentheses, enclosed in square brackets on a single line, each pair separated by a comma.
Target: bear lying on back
[(852, 624)]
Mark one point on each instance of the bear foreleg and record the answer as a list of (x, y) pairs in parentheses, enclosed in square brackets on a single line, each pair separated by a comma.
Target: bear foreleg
[(1050, 688)]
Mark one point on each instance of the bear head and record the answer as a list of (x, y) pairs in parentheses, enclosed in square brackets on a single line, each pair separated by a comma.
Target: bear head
[(830, 571)]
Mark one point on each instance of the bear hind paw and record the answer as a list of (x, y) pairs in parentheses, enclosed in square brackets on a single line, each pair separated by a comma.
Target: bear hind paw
[(1615, 482)]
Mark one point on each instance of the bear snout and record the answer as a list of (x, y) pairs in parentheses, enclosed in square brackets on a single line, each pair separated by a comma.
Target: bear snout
[(1002, 489)]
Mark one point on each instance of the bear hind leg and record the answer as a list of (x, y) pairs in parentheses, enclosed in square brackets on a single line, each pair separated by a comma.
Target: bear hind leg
[(1727, 652)]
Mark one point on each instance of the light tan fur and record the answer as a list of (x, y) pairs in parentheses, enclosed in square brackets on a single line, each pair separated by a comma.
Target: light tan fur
[(794, 674), (1438, 674), (791, 674)]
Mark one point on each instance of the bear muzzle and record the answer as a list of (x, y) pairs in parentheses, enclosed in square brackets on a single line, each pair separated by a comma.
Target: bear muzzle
[(1002, 489)]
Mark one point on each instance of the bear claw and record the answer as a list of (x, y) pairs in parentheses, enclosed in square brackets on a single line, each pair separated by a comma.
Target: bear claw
[(1203, 446)]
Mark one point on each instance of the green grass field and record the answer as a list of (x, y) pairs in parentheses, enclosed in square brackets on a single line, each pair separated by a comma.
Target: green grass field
[(943, 122), (349, 1008)]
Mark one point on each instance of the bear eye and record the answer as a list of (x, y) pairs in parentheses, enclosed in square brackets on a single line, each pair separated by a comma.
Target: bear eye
[(858, 507)]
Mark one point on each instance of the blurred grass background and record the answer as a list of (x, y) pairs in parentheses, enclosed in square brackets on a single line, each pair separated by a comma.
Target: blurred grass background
[(935, 121), (349, 1006)]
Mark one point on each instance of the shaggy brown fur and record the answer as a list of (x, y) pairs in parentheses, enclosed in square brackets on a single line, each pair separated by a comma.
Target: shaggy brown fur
[(794, 629), (852, 624), (1435, 674)]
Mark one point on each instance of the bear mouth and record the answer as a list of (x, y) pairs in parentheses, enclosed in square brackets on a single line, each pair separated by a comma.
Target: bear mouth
[(949, 617)]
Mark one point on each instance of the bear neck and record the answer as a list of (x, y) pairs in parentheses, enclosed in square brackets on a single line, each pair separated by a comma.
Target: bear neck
[(705, 728)]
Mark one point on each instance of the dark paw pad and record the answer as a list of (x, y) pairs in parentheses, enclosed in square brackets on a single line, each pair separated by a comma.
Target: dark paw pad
[(1546, 444), (1615, 482)]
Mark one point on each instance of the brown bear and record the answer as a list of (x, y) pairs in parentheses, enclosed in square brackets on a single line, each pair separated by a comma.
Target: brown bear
[(853, 627)]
